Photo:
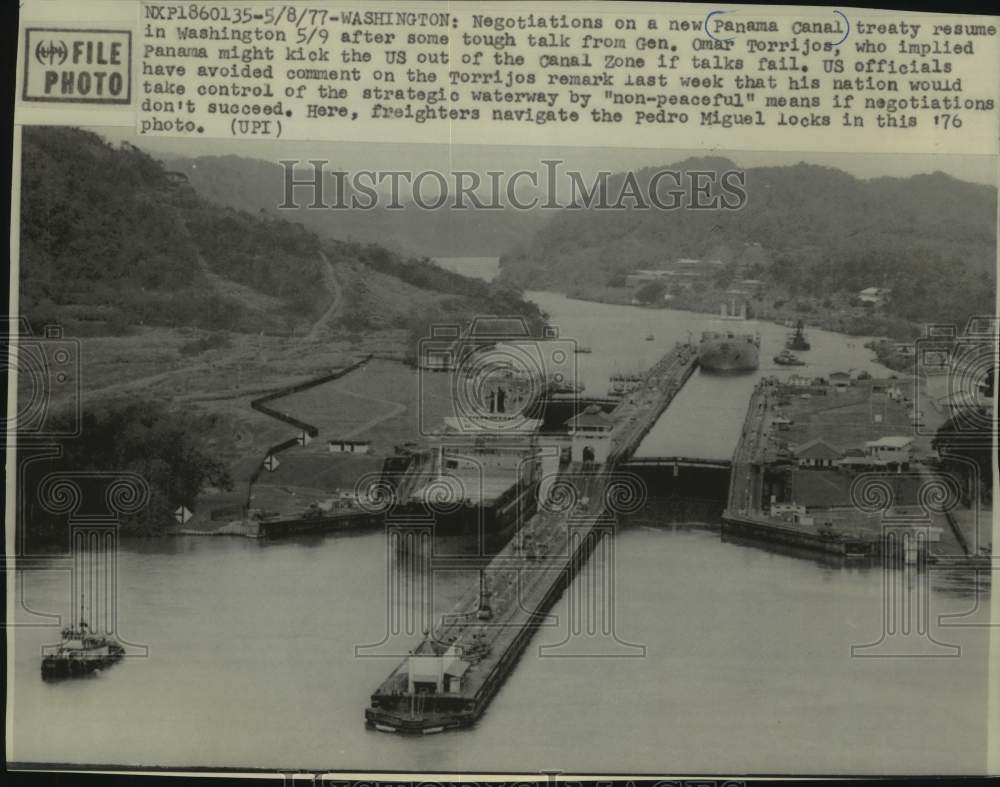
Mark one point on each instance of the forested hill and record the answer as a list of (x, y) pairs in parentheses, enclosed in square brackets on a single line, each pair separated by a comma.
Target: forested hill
[(110, 238), (806, 231)]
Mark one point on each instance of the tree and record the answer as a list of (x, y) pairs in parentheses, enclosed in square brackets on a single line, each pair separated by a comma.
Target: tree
[(165, 447), (651, 292)]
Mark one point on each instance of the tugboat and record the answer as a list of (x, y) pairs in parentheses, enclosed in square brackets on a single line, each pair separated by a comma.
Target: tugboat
[(80, 652), (788, 358), (797, 341)]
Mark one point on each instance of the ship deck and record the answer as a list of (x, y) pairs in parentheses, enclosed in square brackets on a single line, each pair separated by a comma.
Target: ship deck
[(519, 587)]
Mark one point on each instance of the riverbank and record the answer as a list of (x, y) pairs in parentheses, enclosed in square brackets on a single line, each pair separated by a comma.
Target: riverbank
[(830, 314)]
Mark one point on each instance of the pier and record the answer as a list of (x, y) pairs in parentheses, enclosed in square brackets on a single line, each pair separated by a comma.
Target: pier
[(449, 678), (757, 452), (812, 489)]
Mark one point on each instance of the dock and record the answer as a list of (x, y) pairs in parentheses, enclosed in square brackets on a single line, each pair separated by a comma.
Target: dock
[(325, 522), (774, 497), (449, 678)]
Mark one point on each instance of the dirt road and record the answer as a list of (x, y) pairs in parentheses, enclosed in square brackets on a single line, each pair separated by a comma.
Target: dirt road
[(330, 279)]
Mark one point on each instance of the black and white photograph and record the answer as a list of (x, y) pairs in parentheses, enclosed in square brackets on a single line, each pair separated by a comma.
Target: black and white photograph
[(500, 458)]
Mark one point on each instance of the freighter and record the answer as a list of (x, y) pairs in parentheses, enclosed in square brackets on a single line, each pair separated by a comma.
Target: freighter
[(727, 350)]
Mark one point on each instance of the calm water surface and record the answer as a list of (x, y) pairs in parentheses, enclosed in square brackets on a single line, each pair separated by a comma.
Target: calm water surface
[(747, 667)]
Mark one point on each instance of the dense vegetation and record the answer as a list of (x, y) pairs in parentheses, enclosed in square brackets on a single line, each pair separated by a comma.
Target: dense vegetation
[(110, 239), (161, 444), (815, 236)]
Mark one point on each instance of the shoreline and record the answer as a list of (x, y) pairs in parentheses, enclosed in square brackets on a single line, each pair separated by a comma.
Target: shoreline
[(879, 345)]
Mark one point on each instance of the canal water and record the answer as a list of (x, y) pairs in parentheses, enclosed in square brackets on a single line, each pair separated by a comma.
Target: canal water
[(725, 657), (706, 417)]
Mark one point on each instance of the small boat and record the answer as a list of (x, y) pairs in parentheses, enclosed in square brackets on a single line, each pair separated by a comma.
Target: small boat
[(788, 358), (584, 349), (650, 337), (80, 652)]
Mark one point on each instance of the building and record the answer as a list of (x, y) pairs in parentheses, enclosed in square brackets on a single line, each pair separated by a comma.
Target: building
[(817, 453), (890, 451), (781, 422), (436, 674), (590, 436), (686, 271), (873, 295), (853, 459), (349, 446), (840, 381), (791, 512), (644, 275)]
